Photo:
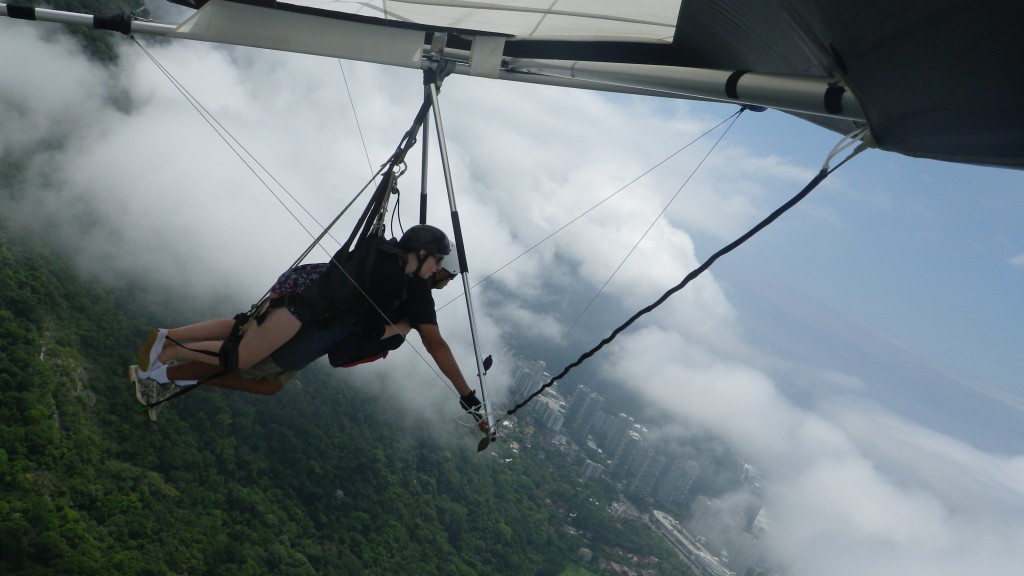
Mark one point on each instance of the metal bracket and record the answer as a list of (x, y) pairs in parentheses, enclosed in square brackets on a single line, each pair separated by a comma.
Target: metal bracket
[(438, 67), (437, 72), (437, 44)]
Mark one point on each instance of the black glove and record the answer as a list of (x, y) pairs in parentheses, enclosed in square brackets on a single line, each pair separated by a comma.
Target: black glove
[(471, 405)]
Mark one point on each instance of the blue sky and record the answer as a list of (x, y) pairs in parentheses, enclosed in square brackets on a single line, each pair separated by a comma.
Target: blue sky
[(851, 351), (918, 250)]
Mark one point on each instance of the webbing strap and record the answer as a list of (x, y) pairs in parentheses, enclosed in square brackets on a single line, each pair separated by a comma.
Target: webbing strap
[(856, 138), (689, 278)]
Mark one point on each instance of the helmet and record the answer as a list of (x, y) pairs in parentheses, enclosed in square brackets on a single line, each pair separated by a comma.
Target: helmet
[(425, 237)]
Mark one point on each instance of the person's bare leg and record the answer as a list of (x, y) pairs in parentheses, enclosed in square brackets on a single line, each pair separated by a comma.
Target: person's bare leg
[(192, 370), (208, 375), (217, 329), (207, 352), (258, 342), (234, 381), (208, 331)]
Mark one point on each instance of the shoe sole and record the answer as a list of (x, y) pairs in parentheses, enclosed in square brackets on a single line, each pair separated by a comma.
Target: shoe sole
[(133, 375), (147, 348), (153, 411)]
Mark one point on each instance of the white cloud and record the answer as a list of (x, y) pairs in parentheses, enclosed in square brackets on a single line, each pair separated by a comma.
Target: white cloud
[(141, 186), (1017, 260), (34, 106), (851, 488)]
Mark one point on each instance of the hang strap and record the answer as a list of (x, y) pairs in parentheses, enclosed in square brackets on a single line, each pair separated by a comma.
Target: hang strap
[(818, 178)]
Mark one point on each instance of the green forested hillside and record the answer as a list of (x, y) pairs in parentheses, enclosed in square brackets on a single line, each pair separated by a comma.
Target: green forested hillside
[(318, 479), (312, 480)]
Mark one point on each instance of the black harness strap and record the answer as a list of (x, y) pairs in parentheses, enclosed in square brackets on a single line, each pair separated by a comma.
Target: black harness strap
[(229, 349)]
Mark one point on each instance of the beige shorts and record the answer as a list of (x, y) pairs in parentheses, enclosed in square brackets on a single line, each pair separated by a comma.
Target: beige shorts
[(267, 368)]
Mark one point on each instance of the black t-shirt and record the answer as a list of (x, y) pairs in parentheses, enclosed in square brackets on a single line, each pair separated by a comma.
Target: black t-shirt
[(418, 306)]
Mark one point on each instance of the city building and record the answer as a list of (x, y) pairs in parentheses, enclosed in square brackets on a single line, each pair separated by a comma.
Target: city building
[(584, 409), (527, 377), (591, 470), (677, 481)]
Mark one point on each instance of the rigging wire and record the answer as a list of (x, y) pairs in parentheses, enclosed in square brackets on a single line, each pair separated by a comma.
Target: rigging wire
[(359, 127), (366, 150), (595, 206), (845, 143), (734, 117), (234, 144)]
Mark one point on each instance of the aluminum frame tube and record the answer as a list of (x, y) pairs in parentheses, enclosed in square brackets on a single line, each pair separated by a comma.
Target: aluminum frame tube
[(309, 34), (790, 93), (463, 268), (74, 18), (425, 157)]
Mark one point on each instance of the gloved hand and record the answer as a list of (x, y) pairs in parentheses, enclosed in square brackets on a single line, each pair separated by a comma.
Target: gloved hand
[(471, 404)]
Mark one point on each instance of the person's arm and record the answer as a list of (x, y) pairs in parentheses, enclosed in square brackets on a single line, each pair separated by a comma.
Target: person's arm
[(442, 355)]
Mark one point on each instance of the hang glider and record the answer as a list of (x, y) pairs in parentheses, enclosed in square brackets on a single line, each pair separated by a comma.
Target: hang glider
[(929, 78)]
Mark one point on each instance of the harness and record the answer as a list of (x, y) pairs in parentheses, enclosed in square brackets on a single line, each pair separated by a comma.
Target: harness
[(348, 290), (336, 293), (344, 289)]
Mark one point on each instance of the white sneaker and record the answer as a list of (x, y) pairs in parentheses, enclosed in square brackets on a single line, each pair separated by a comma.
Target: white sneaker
[(148, 391), (149, 354), (143, 374)]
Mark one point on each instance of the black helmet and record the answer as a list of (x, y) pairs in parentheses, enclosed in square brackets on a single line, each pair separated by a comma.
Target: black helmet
[(425, 237)]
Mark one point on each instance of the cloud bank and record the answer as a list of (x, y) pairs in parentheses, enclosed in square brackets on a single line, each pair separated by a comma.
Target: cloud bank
[(125, 172)]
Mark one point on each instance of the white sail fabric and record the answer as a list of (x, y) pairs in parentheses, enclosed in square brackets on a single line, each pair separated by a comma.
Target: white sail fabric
[(652, 20), (247, 25), (391, 32), (930, 78)]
